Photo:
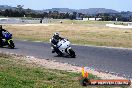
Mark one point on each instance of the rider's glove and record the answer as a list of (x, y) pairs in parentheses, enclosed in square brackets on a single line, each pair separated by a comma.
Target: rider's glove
[(55, 45)]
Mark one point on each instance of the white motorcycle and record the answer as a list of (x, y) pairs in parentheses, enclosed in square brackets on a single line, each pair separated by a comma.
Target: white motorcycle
[(63, 48)]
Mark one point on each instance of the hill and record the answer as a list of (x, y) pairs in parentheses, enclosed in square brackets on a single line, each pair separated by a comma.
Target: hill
[(84, 11)]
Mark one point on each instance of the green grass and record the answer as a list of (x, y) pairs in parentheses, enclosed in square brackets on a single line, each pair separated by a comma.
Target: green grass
[(15, 73)]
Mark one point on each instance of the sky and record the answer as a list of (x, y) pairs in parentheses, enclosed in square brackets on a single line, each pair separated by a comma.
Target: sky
[(119, 5)]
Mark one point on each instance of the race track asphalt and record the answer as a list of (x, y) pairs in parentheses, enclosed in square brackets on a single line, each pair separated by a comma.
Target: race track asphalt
[(113, 60)]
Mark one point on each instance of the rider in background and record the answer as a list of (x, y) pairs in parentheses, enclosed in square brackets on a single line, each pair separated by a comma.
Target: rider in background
[(1, 33), (55, 39)]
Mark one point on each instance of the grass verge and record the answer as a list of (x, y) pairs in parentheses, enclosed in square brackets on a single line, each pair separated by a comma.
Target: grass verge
[(15, 73)]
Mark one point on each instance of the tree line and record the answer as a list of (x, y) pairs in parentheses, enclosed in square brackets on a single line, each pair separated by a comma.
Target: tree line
[(20, 12), (34, 14)]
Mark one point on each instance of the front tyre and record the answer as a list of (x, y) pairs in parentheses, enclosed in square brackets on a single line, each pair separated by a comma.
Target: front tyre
[(72, 53), (11, 44)]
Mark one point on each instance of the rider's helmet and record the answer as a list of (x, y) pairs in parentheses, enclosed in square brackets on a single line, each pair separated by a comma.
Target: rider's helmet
[(56, 36), (0, 27)]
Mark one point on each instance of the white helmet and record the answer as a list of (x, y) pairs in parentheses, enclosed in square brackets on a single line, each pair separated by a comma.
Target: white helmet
[(56, 35)]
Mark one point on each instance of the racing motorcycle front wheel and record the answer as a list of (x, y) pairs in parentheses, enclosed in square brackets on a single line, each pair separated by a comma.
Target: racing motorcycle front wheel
[(72, 53), (11, 44)]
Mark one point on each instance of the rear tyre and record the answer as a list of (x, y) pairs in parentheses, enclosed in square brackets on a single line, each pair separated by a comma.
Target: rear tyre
[(58, 51), (11, 45), (72, 53), (59, 54), (1, 45)]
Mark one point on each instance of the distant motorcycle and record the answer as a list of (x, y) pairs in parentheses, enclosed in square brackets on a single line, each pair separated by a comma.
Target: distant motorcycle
[(63, 48), (7, 40)]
